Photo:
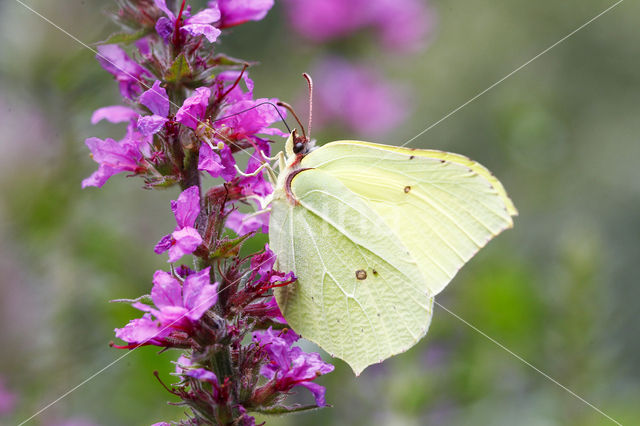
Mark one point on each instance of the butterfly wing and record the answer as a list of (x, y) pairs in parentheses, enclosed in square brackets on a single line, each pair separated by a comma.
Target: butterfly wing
[(443, 207), (359, 295)]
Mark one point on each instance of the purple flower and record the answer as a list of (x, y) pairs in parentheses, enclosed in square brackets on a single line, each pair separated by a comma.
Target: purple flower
[(217, 165), (358, 97), (8, 399), (251, 121), (290, 366), (257, 184), (114, 157), (194, 108), (198, 24), (126, 71), (178, 306), (114, 114), (236, 12), (157, 101), (399, 24), (228, 78), (185, 238)]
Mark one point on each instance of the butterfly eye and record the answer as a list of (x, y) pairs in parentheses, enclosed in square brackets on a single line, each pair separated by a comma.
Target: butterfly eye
[(298, 147)]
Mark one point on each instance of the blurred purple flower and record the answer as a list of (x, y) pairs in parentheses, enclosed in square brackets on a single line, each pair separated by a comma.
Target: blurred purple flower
[(198, 24), (8, 399), (126, 71), (249, 122), (179, 307), (157, 101), (236, 12), (290, 366), (185, 238), (358, 97), (194, 108), (400, 24)]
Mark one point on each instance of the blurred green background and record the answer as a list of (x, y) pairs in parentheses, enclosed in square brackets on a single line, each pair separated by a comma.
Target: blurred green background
[(561, 289)]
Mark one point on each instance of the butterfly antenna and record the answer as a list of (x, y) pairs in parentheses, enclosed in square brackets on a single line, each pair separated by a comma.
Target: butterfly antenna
[(310, 83), (254, 107), (290, 109)]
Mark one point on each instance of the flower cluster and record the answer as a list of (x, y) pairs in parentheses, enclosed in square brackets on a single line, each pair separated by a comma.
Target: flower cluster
[(356, 94), (190, 111)]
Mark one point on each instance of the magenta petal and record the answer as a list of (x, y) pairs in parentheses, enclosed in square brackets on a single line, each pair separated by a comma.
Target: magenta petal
[(166, 290), (317, 391), (186, 241), (202, 374), (114, 114), (198, 294), (194, 108), (162, 5), (229, 163), (164, 28), (156, 100), (242, 223), (209, 31), (151, 124), (187, 207), (236, 12), (142, 330), (209, 161), (206, 16), (164, 244)]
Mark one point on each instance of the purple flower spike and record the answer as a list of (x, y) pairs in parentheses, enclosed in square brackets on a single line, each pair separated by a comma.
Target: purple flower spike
[(157, 101), (8, 399), (236, 12), (185, 239), (113, 157), (290, 366), (194, 108), (114, 114), (126, 71)]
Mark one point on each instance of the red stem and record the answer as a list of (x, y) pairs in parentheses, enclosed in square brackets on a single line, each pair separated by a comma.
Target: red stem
[(176, 31)]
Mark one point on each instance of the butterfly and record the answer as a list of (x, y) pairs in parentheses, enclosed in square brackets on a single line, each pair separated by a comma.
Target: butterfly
[(373, 233)]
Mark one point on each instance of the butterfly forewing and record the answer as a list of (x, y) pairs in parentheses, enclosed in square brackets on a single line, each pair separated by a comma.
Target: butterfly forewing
[(443, 207)]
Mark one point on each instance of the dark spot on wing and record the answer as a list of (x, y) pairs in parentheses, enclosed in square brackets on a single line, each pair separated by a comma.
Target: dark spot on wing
[(374, 272), (442, 161), (361, 274), (412, 157), (407, 189)]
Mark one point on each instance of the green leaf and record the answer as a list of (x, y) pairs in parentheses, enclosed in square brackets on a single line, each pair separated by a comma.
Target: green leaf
[(225, 60), (125, 38), (281, 409), (179, 70)]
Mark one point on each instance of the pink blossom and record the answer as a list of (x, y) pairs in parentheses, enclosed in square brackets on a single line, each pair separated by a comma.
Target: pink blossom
[(185, 238), (217, 164), (198, 24), (114, 157), (178, 306), (127, 72), (290, 366), (157, 101), (242, 223), (194, 108)]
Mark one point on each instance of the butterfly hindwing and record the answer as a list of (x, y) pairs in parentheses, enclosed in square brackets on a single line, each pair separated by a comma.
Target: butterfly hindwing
[(360, 294)]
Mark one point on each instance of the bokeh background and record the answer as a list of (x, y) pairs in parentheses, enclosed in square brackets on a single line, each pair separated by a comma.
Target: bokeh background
[(561, 289)]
